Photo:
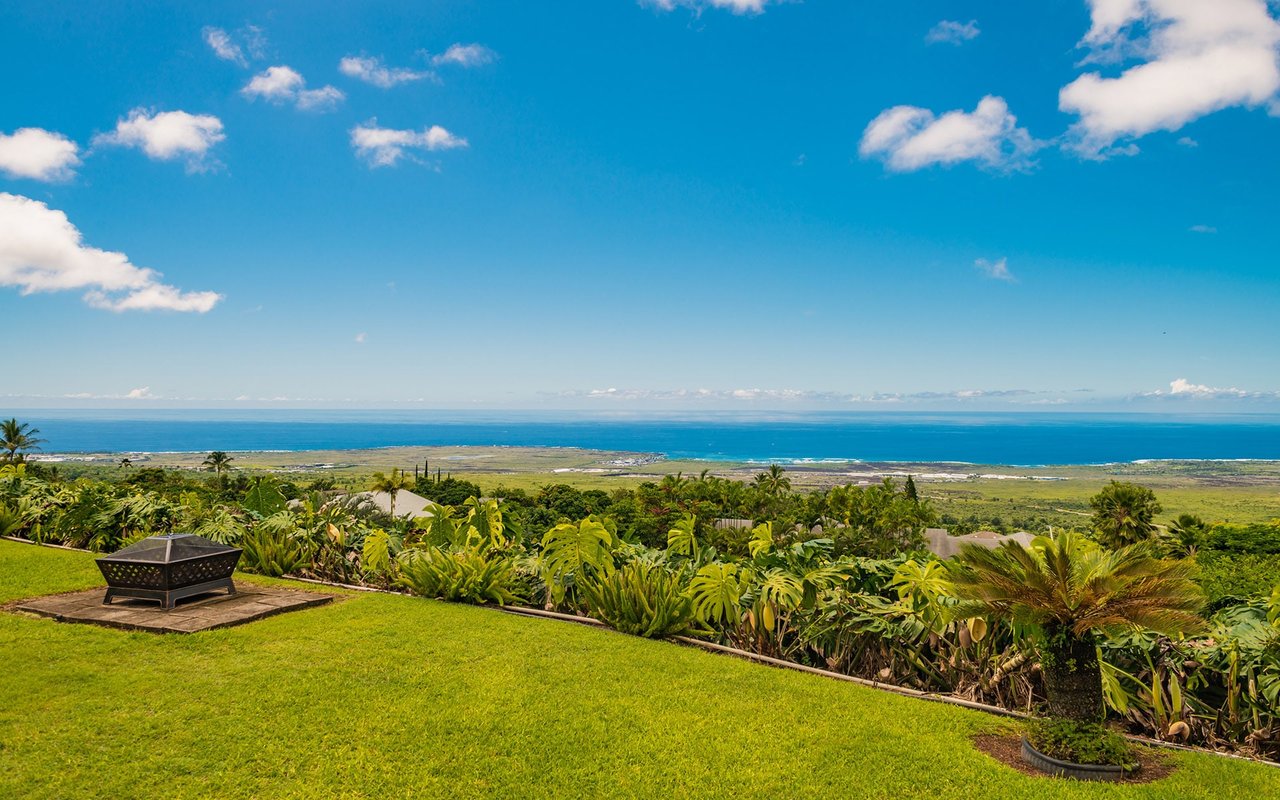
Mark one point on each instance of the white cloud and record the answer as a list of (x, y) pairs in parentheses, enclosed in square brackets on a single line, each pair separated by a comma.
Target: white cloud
[(41, 251), (1183, 389), (996, 270), (736, 6), (323, 99), (465, 55), (910, 138), (1202, 229), (277, 84), (383, 147), (1187, 141), (1198, 57), (38, 154), (361, 337), (952, 32), (167, 135), (220, 42), (142, 393), (371, 70), (282, 84), (233, 47)]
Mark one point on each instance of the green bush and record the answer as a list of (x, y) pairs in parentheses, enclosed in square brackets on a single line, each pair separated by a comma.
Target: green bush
[(1226, 575), (643, 599), (465, 576), (1080, 742), (1263, 537), (273, 550)]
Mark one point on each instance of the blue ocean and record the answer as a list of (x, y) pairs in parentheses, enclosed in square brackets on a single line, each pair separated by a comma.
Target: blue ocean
[(980, 438)]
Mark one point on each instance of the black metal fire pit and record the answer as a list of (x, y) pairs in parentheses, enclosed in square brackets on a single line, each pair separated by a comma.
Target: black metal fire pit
[(168, 568)]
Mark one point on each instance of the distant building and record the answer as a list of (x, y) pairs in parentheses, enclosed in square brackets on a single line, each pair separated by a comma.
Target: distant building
[(944, 545), (408, 504)]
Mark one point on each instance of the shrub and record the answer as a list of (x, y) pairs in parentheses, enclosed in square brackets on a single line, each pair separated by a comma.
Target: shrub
[(1257, 538), (1080, 743), (448, 491), (274, 550), (641, 598), (1225, 576), (466, 576)]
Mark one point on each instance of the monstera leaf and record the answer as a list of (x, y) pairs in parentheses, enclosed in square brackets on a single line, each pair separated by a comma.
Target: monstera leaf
[(717, 590), (571, 549), (264, 499), (682, 539)]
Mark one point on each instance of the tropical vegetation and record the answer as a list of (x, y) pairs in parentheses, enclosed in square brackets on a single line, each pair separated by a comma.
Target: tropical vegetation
[(835, 579), (382, 695)]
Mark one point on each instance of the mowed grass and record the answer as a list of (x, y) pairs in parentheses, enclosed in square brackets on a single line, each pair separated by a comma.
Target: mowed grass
[(390, 696)]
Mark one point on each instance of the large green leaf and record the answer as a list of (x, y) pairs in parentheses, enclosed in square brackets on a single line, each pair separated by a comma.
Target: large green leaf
[(571, 549), (264, 499)]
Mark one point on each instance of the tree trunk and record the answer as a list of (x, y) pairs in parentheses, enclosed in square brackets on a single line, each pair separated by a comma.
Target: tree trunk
[(1072, 676)]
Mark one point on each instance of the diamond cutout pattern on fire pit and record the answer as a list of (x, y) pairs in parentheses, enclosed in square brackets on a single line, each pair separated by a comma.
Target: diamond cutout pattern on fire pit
[(168, 568)]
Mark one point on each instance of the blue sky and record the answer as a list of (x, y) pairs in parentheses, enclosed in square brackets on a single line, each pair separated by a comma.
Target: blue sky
[(617, 204)]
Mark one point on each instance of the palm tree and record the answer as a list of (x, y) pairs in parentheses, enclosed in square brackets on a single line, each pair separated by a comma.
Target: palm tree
[(773, 482), (17, 437), (218, 462), (1185, 534), (391, 484), (1124, 514), (1069, 590)]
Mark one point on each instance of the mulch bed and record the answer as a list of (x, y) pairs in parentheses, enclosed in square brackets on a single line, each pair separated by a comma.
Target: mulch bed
[(1007, 749)]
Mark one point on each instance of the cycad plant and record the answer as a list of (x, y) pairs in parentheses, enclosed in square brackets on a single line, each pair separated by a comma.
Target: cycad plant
[(1069, 590)]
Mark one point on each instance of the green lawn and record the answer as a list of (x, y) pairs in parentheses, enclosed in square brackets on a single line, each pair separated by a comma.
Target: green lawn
[(389, 696)]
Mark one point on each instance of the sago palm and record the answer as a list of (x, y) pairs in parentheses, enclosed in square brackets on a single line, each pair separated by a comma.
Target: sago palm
[(1069, 590)]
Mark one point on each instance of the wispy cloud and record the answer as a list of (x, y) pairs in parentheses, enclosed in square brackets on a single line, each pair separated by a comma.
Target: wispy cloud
[(757, 396), (736, 6), (384, 147), (464, 55), (223, 47), (41, 251), (374, 72), (1202, 229), (996, 270), (952, 32), (247, 43), (909, 138)]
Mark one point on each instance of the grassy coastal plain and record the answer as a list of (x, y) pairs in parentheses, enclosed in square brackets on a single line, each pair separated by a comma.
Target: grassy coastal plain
[(1234, 491)]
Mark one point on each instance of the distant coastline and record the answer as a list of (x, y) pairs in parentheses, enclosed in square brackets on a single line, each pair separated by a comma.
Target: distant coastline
[(799, 439)]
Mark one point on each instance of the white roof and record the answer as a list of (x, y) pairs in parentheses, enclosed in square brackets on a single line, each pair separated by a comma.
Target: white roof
[(408, 504)]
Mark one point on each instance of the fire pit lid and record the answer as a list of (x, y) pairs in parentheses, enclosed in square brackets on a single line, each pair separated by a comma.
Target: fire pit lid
[(168, 548)]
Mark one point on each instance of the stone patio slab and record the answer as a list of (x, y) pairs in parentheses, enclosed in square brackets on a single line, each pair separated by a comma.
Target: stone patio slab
[(200, 613)]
